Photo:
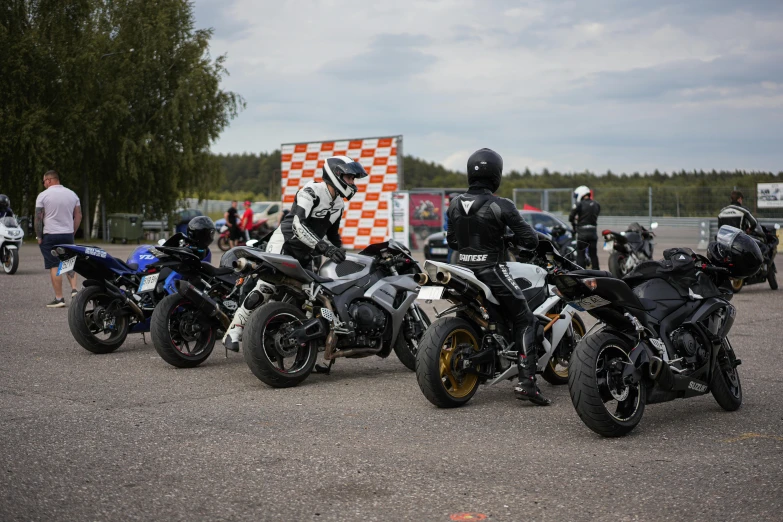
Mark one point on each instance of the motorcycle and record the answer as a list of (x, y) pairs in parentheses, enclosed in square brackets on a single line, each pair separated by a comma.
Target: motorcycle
[(741, 218), (458, 353), (629, 248), (117, 297), (662, 335), (361, 307), (11, 236), (180, 335), (258, 231)]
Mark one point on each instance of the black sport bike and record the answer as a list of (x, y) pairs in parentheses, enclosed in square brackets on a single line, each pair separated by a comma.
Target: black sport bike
[(662, 335)]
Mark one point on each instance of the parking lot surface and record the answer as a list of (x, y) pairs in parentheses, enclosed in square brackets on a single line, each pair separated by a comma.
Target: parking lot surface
[(125, 436)]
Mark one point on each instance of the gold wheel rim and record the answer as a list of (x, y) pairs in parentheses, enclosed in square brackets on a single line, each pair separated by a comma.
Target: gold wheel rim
[(462, 384), (736, 284), (554, 361)]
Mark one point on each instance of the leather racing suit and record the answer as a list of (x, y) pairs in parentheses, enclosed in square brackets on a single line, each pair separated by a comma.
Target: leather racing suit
[(584, 219)]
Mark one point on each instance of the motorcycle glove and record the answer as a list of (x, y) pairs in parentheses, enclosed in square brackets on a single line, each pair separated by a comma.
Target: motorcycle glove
[(332, 252)]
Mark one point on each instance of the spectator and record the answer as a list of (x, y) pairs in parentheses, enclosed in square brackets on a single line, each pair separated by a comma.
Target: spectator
[(58, 215), (5, 207), (247, 220), (232, 221)]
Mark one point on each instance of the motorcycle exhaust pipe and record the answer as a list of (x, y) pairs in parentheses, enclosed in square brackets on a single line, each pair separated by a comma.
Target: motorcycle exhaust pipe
[(243, 265), (124, 298), (205, 304), (421, 278), (466, 289), (661, 373)]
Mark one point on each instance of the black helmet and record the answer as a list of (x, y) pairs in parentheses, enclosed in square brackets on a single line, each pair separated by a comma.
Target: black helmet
[(201, 231), (5, 203), (485, 169), (333, 171), (735, 250)]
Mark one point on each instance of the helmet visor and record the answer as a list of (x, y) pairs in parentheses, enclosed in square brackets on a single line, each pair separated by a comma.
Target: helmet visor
[(726, 236)]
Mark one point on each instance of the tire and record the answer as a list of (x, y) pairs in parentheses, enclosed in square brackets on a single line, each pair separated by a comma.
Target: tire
[(616, 264), (590, 399), (81, 321), (174, 326), (725, 383), (446, 390), (772, 278), (559, 377), (406, 349), (12, 265), (736, 285), (257, 347), (223, 244)]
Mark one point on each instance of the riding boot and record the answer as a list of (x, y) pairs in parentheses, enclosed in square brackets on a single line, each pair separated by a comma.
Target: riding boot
[(234, 333), (527, 389)]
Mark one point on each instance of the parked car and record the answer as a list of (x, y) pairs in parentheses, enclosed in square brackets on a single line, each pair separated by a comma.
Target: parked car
[(436, 248)]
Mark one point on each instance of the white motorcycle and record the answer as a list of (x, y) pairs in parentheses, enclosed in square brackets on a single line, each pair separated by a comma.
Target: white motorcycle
[(458, 353), (11, 235)]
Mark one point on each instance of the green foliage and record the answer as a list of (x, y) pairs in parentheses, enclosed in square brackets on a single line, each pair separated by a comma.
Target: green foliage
[(134, 127)]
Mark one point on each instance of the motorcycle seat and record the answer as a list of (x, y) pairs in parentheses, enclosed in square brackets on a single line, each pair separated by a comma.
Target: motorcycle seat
[(216, 271), (317, 278), (591, 273), (133, 266), (648, 304)]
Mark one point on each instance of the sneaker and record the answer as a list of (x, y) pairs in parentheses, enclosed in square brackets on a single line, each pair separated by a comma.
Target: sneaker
[(73, 293), (57, 303)]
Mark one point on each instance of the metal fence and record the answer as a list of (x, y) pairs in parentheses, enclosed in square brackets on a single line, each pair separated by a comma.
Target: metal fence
[(658, 202)]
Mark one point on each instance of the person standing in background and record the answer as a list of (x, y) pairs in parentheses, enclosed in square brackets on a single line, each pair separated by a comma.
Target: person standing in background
[(58, 215), (247, 220), (232, 221), (584, 219)]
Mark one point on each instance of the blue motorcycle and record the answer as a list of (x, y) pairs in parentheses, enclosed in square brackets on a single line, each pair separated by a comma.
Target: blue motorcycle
[(118, 297)]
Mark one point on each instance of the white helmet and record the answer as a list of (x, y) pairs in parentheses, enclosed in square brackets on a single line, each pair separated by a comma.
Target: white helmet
[(334, 169), (581, 192)]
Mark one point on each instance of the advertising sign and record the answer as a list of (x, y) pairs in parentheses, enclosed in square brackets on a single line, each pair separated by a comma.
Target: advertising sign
[(769, 195), (400, 221), (368, 215)]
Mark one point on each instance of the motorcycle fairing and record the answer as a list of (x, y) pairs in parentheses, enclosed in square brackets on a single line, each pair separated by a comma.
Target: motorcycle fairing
[(384, 293), (93, 258)]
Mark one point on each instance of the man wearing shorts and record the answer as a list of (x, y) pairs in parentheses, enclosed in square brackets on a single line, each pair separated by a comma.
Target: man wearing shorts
[(58, 215)]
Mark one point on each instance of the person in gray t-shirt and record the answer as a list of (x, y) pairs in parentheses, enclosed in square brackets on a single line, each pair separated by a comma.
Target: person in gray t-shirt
[(58, 215)]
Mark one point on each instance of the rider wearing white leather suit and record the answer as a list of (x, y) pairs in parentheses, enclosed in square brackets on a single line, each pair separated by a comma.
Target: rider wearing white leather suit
[(310, 229)]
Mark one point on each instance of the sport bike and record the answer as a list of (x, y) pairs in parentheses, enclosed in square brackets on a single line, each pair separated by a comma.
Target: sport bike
[(629, 248), (11, 236), (361, 307), (662, 335), (741, 218), (458, 353)]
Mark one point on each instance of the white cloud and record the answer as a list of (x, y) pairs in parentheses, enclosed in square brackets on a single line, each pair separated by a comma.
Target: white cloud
[(560, 84)]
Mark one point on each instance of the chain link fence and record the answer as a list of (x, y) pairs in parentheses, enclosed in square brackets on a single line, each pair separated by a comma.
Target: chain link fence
[(674, 202)]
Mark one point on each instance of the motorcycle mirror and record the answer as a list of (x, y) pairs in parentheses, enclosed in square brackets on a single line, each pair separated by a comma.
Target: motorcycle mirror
[(654, 225), (161, 242), (777, 226)]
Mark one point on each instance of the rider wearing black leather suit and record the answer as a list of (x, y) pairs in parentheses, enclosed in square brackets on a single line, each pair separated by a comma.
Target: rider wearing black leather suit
[(477, 223), (584, 219)]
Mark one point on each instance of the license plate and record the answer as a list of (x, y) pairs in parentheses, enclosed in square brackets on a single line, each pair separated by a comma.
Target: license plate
[(439, 251), (66, 266), (588, 303), (430, 293), (148, 283)]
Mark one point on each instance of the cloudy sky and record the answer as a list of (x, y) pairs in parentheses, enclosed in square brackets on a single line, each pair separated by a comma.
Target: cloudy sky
[(571, 85)]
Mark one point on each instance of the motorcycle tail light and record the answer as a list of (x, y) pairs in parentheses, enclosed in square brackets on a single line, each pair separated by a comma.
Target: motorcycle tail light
[(591, 283), (60, 250), (53, 252)]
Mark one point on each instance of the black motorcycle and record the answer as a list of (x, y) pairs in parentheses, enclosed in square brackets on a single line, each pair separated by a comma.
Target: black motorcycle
[(741, 218), (662, 335), (629, 248)]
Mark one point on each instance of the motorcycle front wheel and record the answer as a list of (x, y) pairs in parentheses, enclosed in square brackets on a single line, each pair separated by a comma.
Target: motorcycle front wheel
[(407, 345), (267, 352), (181, 336), (10, 260), (439, 371), (602, 400), (725, 383), (617, 264), (97, 321), (223, 243), (771, 276)]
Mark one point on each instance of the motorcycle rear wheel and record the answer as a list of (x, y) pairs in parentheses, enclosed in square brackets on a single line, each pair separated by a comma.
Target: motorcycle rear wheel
[(262, 354), (180, 335), (406, 349), (441, 349), (223, 244), (606, 405), (556, 371), (725, 384), (737, 284), (84, 324), (10, 260)]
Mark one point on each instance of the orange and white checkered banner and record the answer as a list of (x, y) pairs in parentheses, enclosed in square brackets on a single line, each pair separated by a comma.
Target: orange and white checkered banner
[(367, 217)]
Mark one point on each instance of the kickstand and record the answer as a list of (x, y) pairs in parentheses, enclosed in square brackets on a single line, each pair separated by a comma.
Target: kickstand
[(324, 369), (144, 337)]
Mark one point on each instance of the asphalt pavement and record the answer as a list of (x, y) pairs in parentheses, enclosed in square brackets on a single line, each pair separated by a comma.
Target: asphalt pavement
[(125, 436)]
